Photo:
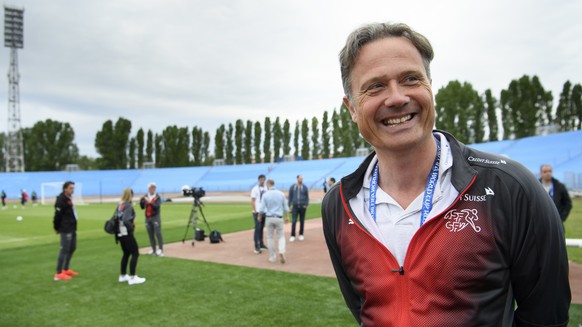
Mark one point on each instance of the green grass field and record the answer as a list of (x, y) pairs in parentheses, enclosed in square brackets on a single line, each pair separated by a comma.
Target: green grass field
[(178, 292)]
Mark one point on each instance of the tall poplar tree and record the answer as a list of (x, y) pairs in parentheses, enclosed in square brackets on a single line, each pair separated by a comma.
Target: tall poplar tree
[(257, 141), (267, 143)]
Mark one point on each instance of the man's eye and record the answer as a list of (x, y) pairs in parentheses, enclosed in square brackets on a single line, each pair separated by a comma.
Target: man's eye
[(409, 80), (375, 86)]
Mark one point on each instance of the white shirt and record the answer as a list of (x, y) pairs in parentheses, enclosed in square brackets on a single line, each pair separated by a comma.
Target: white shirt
[(395, 226), (256, 193)]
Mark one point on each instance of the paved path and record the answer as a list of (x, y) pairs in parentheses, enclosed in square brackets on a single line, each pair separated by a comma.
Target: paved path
[(306, 257)]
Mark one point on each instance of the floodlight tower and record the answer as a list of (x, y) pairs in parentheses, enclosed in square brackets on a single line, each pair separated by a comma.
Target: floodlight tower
[(13, 39)]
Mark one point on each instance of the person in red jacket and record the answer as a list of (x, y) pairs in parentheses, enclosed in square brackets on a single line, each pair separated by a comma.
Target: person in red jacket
[(427, 231), (151, 203)]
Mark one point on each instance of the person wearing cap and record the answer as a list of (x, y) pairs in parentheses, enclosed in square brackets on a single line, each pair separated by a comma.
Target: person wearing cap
[(151, 203)]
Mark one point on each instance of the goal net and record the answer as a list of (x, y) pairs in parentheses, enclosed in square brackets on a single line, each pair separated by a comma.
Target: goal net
[(49, 192)]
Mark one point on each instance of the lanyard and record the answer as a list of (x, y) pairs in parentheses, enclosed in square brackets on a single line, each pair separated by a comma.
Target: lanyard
[(428, 192)]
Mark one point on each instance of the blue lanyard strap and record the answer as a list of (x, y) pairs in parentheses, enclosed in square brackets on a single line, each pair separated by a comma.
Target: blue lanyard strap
[(433, 177)]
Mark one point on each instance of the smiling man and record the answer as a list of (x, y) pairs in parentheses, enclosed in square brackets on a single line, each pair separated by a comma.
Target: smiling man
[(427, 231)]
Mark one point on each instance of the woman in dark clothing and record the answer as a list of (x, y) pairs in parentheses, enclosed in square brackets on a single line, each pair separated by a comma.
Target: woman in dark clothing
[(126, 227)]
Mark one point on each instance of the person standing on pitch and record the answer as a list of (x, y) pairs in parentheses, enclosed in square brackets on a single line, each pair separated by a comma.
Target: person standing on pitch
[(256, 194), (557, 191), (151, 202), (275, 207), (125, 235), (298, 200), (65, 224), (428, 231), (3, 196)]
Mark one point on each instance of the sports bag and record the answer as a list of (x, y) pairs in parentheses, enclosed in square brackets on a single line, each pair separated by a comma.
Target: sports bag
[(215, 237), (111, 224)]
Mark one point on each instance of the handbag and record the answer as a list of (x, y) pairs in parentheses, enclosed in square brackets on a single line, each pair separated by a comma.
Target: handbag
[(111, 224)]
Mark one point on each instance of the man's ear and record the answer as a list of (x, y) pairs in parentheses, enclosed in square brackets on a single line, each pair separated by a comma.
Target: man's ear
[(351, 109)]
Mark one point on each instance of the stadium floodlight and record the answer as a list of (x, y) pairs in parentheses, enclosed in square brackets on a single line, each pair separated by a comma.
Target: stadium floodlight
[(13, 39), (13, 27)]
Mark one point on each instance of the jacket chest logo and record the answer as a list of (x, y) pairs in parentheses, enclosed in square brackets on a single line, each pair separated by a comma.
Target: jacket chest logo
[(457, 220)]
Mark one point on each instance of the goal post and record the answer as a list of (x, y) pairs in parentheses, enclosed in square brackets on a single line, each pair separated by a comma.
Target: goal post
[(50, 190)]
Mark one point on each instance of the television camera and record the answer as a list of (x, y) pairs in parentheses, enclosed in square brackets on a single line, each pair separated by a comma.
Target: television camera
[(197, 193)]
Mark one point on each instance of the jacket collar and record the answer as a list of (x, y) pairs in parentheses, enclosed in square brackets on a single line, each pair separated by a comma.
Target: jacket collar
[(462, 173)]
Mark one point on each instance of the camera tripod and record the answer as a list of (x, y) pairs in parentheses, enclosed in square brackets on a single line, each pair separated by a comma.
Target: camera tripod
[(197, 205)]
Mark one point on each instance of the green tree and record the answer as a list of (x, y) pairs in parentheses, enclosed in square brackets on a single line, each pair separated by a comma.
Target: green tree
[(248, 152), (336, 134), (346, 132), (325, 141), (525, 105), (267, 142), (277, 139), (158, 148), (491, 109), (569, 110), (230, 145), (305, 139), (149, 156), (132, 152), (296, 139), (315, 146), (175, 147), (112, 142), (49, 146), (286, 137), (239, 129), (197, 146), (257, 141), (206, 149), (219, 146), (577, 106), (459, 110), (87, 163), (140, 148)]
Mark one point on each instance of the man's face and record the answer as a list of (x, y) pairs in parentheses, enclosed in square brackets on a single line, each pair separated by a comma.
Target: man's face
[(391, 94), (152, 189), (262, 181), (69, 190), (299, 179), (546, 173)]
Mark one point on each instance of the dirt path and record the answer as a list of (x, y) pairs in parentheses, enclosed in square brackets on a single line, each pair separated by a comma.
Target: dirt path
[(306, 257)]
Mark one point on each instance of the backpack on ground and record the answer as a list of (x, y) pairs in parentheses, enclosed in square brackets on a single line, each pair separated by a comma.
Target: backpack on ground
[(215, 237)]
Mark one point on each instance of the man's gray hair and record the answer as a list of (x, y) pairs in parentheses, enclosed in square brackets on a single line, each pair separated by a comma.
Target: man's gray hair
[(375, 31)]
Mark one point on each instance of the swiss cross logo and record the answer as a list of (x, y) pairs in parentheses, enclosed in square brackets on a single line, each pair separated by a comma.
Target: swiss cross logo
[(458, 220)]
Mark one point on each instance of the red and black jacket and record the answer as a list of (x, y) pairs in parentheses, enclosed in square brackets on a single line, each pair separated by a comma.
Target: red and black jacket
[(499, 242), (64, 220)]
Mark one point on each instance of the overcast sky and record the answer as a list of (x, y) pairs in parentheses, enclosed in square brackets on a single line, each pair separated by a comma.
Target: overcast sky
[(205, 63)]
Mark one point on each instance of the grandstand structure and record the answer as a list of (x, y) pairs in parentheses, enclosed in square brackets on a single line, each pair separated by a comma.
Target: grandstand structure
[(562, 150)]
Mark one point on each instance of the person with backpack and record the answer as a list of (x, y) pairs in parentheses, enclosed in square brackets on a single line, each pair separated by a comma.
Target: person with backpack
[(125, 236)]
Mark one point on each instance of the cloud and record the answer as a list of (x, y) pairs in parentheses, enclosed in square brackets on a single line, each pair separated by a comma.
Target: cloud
[(185, 63)]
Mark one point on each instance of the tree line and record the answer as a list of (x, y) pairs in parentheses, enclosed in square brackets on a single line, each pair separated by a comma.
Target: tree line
[(525, 108)]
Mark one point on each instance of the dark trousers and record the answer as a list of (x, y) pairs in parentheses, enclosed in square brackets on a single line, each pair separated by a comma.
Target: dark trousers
[(259, 228), (294, 212), (130, 248), (68, 247), (154, 228)]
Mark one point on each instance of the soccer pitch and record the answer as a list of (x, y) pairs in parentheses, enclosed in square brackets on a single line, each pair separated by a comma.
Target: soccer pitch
[(177, 292)]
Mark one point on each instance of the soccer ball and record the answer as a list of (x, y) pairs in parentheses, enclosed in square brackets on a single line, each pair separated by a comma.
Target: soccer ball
[(19, 218)]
